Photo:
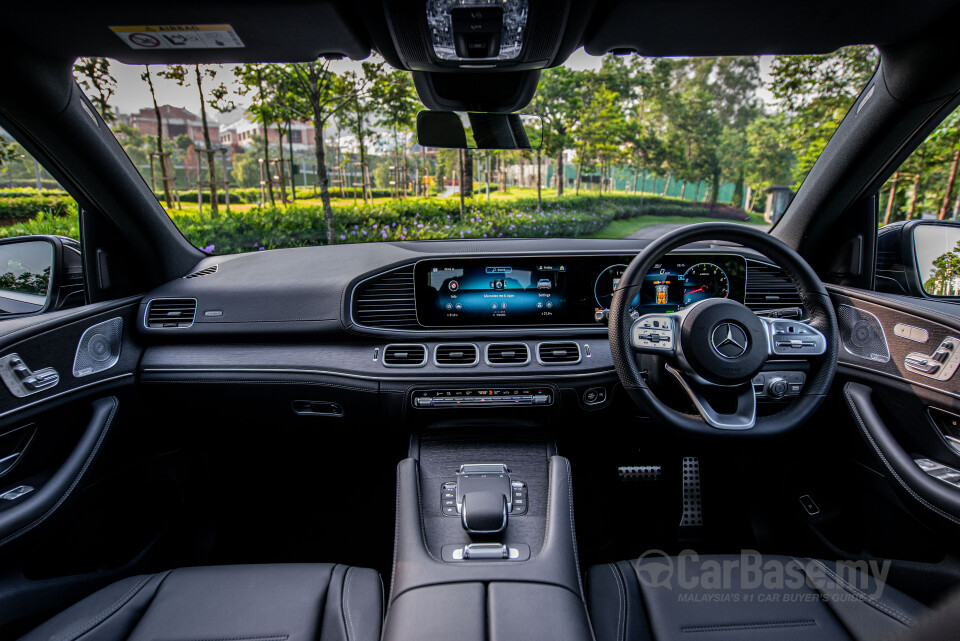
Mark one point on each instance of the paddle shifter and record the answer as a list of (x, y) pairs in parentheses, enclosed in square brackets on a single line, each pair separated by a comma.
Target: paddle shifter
[(485, 495)]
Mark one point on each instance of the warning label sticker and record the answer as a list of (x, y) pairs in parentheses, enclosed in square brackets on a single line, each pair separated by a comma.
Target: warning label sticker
[(180, 36)]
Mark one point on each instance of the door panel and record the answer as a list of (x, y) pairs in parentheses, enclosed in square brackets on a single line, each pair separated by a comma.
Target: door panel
[(107, 497), (898, 371)]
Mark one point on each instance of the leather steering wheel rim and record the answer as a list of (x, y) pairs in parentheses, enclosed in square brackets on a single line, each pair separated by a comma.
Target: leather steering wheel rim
[(816, 305)]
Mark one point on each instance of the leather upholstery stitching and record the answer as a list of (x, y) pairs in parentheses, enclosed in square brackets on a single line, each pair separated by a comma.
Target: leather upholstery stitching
[(764, 625), (620, 613), (106, 612), (888, 610), (856, 413), (76, 481), (573, 530), (346, 603), (276, 637)]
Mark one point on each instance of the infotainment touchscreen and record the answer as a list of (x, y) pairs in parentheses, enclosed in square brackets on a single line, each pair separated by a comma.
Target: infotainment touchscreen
[(482, 292)]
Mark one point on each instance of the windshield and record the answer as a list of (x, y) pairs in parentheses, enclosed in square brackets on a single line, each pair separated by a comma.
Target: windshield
[(262, 156)]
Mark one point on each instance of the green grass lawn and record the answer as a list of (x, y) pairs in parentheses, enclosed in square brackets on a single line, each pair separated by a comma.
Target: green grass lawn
[(627, 226)]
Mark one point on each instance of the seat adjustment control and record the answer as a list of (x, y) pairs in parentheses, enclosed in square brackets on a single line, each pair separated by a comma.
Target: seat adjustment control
[(21, 380), (940, 365)]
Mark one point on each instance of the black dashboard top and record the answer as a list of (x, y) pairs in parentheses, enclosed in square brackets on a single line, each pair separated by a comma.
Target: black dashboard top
[(338, 289)]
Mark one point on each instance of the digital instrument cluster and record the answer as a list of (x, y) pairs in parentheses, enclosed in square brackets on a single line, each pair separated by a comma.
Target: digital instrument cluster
[(564, 290)]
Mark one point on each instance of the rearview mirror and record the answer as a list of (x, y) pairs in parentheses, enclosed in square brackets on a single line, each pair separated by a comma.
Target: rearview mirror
[(39, 274), (479, 130)]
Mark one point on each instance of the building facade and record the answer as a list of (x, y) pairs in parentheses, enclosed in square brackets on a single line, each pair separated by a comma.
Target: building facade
[(177, 121)]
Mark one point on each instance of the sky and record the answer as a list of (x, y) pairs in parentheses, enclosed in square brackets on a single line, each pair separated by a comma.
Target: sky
[(133, 93)]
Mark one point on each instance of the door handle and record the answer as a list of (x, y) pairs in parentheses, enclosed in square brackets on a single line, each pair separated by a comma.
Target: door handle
[(920, 491), (28, 512)]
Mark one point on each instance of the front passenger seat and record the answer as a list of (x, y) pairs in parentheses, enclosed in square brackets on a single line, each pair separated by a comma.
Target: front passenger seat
[(290, 602), (709, 598)]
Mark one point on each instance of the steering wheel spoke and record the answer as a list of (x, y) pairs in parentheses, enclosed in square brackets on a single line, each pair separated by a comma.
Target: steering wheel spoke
[(743, 418), (793, 339), (655, 334)]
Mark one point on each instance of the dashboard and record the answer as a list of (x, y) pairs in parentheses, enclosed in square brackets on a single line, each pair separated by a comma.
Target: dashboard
[(563, 289)]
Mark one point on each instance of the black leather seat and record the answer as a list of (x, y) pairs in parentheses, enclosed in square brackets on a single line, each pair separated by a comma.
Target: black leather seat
[(708, 598), (296, 602)]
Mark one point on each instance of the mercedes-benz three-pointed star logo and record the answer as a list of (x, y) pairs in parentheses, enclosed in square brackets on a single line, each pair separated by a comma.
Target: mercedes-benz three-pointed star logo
[(729, 340)]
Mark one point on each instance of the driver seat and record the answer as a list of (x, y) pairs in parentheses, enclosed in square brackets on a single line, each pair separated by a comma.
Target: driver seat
[(712, 598)]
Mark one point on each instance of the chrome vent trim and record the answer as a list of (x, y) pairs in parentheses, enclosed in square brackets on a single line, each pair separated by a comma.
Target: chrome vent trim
[(768, 287), (387, 300), (170, 313), (206, 271), (404, 355), (456, 355), (499, 354), (558, 353)]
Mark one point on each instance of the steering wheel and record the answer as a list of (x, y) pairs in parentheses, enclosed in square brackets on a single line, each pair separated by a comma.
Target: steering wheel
[(715, 347)]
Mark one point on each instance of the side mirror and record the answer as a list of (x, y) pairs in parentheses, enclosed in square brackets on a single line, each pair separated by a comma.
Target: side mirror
[(479, 130), (39, 274)]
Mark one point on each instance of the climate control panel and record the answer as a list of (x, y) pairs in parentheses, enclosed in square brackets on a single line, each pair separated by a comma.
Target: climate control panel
[(482, 397)]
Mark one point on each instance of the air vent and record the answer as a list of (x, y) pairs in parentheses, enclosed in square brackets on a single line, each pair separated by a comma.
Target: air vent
[(507, 354), (170, 313), (459, 355), (559, 353), (387, 301), (212, 269), (768, 287), (398, 355)]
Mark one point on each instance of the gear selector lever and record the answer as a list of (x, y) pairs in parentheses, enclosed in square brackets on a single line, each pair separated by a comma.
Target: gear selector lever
[(484, 498)]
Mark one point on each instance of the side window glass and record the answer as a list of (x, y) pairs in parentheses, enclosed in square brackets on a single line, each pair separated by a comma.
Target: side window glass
[(40, 267), (918, 242)]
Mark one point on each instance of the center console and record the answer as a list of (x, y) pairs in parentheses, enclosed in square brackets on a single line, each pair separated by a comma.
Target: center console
[(485, 541)]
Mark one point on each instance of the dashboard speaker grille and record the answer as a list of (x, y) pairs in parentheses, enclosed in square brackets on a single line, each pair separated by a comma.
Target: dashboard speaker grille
[(387, 301), (459, 355), (404, 355), (508, 354), (768, 287), (862, 334), (558, 353), (170, 313)]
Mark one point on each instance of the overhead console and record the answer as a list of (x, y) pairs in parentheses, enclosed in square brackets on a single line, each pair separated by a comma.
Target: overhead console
[(455, 35)]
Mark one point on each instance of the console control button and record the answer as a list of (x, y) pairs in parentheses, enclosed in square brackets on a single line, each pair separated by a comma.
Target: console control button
[(595, 396), (519, 490)]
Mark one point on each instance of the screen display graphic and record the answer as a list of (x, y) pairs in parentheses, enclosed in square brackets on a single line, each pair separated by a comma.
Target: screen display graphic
[(508, 292), (504, 291)]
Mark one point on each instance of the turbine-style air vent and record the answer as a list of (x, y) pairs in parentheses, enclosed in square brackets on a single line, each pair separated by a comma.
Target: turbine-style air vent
[(170, 313), (387, 300), (212, 269), (458, 355), (558, 353), (403, 355), (768, 287), (508, 354)]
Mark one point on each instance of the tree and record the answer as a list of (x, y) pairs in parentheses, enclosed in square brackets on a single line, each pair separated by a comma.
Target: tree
[(219, 100), (322, 93), (815, 92), (94, 77), (558, 102), (164, 165), (769, 159), (397, 105)]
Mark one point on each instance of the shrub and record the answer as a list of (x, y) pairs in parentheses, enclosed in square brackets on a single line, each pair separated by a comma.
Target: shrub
[(68, 226), (23, 206), (423, 219)]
